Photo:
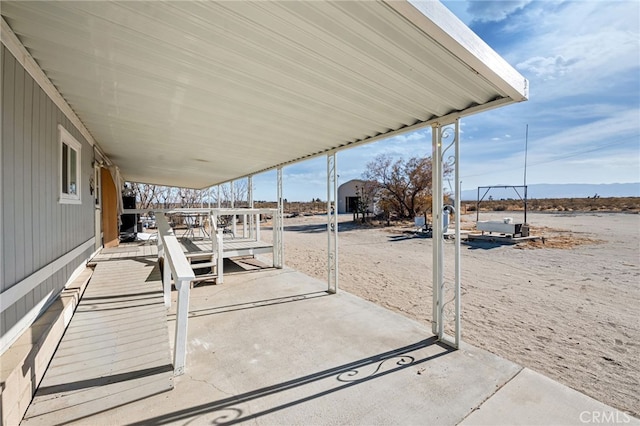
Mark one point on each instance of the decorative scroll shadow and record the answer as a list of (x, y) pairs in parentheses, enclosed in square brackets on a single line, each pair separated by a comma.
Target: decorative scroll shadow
[(357, 374), (226, 415)]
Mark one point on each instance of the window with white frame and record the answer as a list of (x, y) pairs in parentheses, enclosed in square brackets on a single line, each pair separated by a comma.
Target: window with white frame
[(70, 162)]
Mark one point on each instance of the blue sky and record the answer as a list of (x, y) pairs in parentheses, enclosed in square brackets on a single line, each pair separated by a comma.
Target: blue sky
[(582, 59)]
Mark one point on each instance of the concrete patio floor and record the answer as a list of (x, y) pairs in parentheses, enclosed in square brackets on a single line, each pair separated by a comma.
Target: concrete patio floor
[(273, 348)]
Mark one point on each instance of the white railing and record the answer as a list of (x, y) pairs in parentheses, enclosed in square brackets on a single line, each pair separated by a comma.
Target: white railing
[(246, 213), (248, 232), (176, 265), (250, 217)]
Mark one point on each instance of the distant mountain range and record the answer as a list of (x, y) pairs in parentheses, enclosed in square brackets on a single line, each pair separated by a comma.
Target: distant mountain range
[(569, 190)]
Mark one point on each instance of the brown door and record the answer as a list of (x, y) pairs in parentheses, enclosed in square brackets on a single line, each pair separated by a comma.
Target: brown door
[(110, 233)]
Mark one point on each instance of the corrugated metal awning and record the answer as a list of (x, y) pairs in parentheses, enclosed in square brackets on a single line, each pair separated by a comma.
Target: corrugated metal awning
[(197, 93)]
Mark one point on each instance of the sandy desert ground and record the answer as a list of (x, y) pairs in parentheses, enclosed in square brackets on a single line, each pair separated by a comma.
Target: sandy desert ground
[(568, 308)]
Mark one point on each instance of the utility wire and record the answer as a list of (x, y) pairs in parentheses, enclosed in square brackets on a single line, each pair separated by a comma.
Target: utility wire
[(562, 157)]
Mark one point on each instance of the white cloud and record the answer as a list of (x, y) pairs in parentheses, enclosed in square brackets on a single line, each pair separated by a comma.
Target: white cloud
[(580, 47), (618, 127), (548, 67), (487, 11), (599, 151)]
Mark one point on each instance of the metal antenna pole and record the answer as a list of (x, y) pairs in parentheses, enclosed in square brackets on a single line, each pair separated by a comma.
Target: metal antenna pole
[(526, 143)]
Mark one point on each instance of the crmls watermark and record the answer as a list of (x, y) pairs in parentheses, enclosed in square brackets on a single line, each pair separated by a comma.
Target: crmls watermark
[(604, 417)]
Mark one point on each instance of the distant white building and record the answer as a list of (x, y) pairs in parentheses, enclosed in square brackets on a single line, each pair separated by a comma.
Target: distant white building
[(349, 194)]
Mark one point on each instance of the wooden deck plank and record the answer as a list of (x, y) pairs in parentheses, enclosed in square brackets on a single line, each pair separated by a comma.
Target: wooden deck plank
[(115, 350)]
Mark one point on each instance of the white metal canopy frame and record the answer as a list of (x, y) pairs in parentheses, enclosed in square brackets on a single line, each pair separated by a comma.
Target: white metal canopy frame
[(194, 94)]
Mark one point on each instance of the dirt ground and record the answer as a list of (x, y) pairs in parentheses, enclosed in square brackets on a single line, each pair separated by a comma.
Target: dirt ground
[(568, 307)]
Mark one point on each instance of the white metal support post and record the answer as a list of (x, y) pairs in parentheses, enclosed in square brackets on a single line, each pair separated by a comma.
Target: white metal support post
[(218, 197), (332, 223), (278, 228), (250, 201), (233, 205), (219, 257), (257, 234), (442, 135), (436, 213), (458, 212), (244, 226)]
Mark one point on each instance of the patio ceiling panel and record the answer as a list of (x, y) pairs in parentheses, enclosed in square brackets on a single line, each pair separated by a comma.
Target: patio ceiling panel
[(198, 93)]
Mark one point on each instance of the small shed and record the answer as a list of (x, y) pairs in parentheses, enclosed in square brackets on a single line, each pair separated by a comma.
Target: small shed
[(349, 194)]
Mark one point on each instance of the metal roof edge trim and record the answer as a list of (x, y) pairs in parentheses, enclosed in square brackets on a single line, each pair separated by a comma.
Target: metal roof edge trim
[(22, 55), (440, 24), (444, 120)]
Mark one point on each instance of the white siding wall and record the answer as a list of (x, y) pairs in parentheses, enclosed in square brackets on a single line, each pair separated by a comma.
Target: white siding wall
[(36, 229)]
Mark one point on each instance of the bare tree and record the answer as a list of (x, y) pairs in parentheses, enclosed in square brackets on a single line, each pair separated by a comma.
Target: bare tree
[(404, 185), (154, 196), (190, 197), (366, 196), (165, 197), (240, 192), (146, 195)]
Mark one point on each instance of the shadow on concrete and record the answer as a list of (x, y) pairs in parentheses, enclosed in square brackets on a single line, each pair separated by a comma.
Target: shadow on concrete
[(250, 305), (224, 411), (244, 264), (309, 229), (318, 228)]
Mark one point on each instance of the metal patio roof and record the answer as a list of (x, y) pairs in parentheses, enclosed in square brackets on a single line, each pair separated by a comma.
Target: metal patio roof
[(198, 93)]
